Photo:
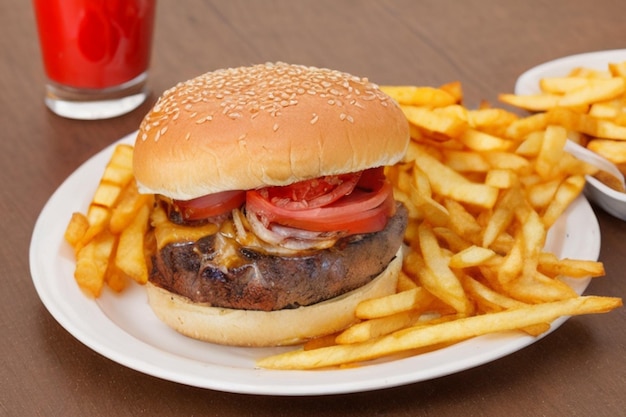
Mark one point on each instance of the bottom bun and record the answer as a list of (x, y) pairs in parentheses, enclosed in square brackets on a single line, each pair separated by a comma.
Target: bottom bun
[(267, 328)]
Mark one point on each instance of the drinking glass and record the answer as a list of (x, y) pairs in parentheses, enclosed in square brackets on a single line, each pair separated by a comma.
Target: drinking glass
[(96, 55)]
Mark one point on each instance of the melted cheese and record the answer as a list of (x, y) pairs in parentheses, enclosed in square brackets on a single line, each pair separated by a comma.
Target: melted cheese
[(167, 232)]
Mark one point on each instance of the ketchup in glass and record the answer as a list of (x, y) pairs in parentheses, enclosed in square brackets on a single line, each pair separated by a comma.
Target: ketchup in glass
[(95, 44)]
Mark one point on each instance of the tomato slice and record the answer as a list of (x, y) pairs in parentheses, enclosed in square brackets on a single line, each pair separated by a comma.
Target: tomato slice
[(210, 205), (362, 211), (352, 203), (316, 192)]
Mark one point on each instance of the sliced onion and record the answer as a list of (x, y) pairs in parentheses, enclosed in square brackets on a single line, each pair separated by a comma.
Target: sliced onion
[(291, 238)]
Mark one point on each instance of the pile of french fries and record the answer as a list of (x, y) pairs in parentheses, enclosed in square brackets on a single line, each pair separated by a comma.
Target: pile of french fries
[(110, 240), (482, 188), (588, 101)]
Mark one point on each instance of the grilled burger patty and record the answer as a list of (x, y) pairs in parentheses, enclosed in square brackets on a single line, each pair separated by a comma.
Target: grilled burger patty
[(258, 281)]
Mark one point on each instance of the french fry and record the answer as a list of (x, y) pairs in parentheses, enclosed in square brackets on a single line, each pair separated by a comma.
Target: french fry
[(541, 194), (76, 228), (550, 265), (501, 178), (487, 299), (420, 96), (520, 128), (450, 183), (565, 194), (431, 210), (617, 69), (455, 89), (533, 235), (128, 206), (480, 141), (453, 241), (405, 282), (502, 216), (394, 303), (512, 264), (613, 150), (562, 85), (491, 120), (462, 222), (593, 90), (92, 261), (471, 256), (532, 102), (130, 257), (436, 275), (551, 150), (435, 123), (116, 279), (465, 161), (447, 332), (376, 327), (589, 73), (538, 288)]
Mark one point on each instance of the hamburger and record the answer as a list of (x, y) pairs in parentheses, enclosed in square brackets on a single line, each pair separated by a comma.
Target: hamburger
[(273, 217)]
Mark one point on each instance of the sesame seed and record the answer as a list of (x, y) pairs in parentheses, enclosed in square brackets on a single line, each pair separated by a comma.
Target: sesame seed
[(269, 88)]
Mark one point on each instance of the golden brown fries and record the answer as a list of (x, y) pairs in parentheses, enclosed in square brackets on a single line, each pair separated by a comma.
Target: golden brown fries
[(482, 188), (589, 102), (109, 239)]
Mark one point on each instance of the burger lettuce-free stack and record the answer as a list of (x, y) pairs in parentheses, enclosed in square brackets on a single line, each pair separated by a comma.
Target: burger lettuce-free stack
[(273, 217)]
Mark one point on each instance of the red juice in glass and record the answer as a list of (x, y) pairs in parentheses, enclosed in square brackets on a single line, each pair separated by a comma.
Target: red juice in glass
[(96, 53)]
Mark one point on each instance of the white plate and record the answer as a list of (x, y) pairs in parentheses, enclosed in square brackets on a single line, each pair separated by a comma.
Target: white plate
[(124, 329)]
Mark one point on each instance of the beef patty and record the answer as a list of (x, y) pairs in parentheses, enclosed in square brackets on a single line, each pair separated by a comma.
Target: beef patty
[(268, 282)]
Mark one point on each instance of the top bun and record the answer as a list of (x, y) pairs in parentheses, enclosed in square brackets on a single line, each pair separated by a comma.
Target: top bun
[(270, 124)]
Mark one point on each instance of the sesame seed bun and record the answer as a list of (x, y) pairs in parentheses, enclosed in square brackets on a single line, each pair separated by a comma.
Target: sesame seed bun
[(271, 124), (267, 328)]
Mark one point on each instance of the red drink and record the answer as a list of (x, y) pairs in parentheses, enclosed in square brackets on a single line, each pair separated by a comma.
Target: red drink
[(95, 43)]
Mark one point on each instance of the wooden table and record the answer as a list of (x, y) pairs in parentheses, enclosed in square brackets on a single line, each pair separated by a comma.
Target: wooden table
[(578, 370)]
